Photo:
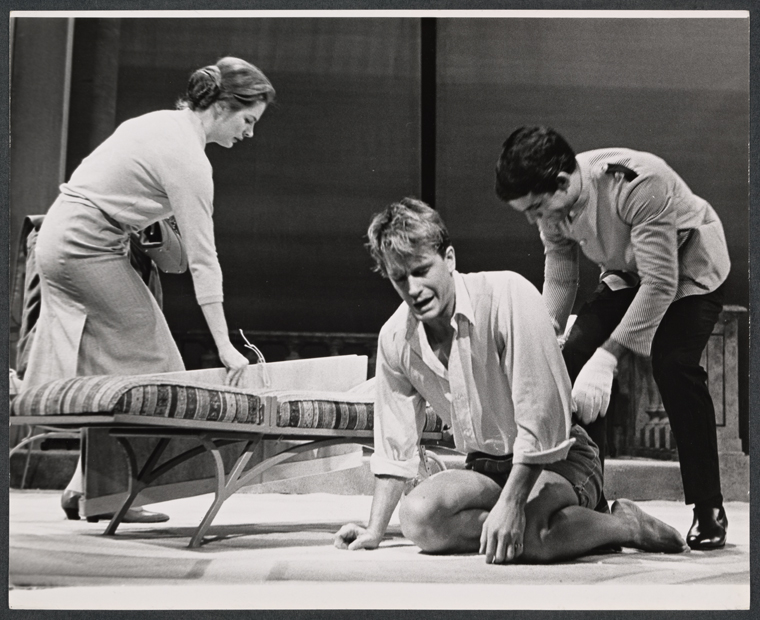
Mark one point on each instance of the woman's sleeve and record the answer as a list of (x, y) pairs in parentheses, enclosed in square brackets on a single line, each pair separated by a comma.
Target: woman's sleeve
[(190, 189), (532, 361)]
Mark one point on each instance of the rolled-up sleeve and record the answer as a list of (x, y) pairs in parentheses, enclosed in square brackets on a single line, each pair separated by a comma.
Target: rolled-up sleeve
[(540, 385), (399, 416)]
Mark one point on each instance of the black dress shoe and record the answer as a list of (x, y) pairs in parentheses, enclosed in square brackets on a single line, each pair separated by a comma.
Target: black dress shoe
[(70, 504), (708, 531)]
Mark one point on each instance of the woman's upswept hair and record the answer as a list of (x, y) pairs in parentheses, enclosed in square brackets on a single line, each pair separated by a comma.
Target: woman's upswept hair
[(531, 158), (404, 228), (233, 81)]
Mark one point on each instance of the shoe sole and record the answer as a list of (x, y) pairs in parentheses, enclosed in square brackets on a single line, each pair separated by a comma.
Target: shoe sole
[(702, 547)]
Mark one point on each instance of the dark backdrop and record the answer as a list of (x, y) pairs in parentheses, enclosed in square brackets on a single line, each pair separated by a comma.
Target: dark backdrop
[(343, 140), (675, 87), (292, 204)]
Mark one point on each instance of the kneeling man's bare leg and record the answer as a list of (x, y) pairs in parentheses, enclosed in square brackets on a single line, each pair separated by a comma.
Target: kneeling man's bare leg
[(445, 514), (557, 528)]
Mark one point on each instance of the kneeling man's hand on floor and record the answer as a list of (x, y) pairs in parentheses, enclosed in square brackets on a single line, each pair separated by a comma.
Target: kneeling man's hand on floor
[(353, 537)]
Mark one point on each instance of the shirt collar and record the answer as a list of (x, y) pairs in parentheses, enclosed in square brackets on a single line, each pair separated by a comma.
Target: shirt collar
[(583, 196), (582, 216), (463, 303)]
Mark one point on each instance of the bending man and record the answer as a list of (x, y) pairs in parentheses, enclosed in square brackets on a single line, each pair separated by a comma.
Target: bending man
[(480, 349), (663, 259)]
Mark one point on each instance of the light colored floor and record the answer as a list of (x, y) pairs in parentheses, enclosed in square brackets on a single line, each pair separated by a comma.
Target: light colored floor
[(275, 551)]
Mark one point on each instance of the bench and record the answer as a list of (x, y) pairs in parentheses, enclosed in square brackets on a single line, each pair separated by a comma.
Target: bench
[(278, 402)]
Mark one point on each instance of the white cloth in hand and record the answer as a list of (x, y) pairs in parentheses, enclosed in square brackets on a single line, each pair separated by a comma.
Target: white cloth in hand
[(591, 391)]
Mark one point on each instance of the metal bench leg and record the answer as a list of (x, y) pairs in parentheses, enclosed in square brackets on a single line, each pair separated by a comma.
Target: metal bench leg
[(28, 441), (225, 486), (28, 458), (138, 479), (238, 478)]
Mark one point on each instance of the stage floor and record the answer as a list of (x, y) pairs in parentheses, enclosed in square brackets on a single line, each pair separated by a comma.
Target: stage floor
[(274, 551)]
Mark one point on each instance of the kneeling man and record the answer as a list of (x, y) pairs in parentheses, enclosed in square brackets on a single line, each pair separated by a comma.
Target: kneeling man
[(481, 350)]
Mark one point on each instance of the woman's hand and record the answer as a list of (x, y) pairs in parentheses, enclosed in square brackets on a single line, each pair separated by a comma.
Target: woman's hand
[(232, 359), (353, 537), (235, 363), (502, 536)]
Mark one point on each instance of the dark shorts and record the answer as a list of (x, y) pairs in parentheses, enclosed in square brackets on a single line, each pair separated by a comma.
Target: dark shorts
[(582, 468)]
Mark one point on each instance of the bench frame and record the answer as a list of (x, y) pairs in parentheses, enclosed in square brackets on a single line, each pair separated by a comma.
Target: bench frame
[(212, 436)]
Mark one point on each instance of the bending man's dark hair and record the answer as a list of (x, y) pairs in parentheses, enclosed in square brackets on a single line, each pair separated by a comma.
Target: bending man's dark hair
[(530, 160), (404, 228)]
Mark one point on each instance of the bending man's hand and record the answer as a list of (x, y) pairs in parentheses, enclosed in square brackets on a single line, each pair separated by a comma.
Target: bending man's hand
[(501, 539), (235, 363), (353, 537), (591, 391)]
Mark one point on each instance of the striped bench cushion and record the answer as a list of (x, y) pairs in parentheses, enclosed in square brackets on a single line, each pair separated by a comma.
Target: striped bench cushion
[(180, 399), (144, 395), (333, 410)]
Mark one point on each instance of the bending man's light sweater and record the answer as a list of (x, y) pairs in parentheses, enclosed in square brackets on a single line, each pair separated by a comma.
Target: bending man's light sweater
[(646, 223)]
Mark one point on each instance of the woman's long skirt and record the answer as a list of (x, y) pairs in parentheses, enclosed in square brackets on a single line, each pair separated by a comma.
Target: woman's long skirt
[(97, 317)]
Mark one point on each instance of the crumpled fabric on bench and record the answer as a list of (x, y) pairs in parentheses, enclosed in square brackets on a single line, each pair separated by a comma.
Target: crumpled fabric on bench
[(142, 395)]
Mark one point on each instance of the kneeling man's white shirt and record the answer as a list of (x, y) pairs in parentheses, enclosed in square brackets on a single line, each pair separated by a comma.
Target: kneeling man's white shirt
[(506, 389)]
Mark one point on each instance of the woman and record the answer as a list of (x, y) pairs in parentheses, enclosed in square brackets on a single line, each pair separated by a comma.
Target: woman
[(98, 316)]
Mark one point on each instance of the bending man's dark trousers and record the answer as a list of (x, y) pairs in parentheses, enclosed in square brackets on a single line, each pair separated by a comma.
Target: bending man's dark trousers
[(676, 351)]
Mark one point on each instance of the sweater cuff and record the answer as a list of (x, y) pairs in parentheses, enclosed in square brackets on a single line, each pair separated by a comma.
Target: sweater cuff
[(209, 299), (558, 453)]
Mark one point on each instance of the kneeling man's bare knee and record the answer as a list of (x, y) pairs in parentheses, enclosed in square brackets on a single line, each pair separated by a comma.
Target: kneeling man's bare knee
[(423, 522)]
